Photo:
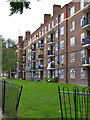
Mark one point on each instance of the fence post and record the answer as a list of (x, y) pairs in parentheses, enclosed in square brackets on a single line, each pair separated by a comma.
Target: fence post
[(18, 103), (3, 102), (75, 104)]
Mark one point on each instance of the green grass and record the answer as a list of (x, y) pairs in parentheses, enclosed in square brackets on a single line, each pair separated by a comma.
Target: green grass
[(39, 99)]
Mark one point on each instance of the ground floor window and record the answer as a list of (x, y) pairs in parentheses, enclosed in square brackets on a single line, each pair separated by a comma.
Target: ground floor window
[(82, 73), (56, 73), (53, 74), (44, 73), (72, 73), (48, 74), (62, 73)]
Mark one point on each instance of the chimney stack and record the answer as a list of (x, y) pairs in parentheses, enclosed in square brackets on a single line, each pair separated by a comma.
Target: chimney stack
[(46, 17), (20, 39), (56, 8), (27, 34)]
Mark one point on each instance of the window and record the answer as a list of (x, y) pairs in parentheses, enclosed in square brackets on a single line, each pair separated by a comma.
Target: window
[(44, 51), (39, 33), (62, 45), (62, 17), (81, 4), (45, 29), (62, 30), (42, 31), (52, 24), (48, 74), (56, 47), (39, 74), (72, 41), (44, 63), (82, 73), (72, 73), (72, 25), (72, 11), (37, 65), (44, 73), (56, 21), (53, 74), (81, 20), (72, 57), (56, 73), (82, 54), (56, 59), (48, 60), (49, 27), (44, 40), (62, 73), (61, 59), (82, 37), (56, 33)]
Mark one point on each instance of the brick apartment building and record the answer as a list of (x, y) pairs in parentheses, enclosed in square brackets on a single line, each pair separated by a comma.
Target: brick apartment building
[(58, 48)]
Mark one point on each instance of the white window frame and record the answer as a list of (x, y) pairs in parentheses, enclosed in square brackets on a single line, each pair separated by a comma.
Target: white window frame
[(72, 41), (72, 26), (62, 30), (82, 36), (56, 59), (72, 11), (81, 4), (82, 54), (82, 73), (56, 21), (52, 24), (48, 27), (62, 73), (56, 73), (61, 59), (72, 73), (62, 44), (48, 74), (56, 47), (45, 29), (62, 17), (72, 57)]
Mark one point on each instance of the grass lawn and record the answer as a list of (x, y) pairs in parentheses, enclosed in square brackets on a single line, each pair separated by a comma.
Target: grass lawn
[(39, 99)]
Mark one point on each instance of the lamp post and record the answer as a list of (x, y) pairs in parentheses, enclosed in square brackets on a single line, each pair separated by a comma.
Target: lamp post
[(58, 45)]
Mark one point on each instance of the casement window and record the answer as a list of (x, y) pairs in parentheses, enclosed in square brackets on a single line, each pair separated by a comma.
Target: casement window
[(82, 73), (72, 26), (56, 47), (56, 21), (62, 73), (61, 59), (82, 37), (44, 63), (56, 59), (49, 27), (44, 40), (56, 33), (62, 17), (56, 73), (72, 57), (62, 30), (81, 4), (52, 24), (72, 11), (48, 74), (45, 29), (72, 73), (44, 73), (62, 44), (81, 20), (72, 41), (82, 54)]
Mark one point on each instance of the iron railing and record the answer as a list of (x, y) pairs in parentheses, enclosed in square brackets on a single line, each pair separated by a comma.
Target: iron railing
[(40, 56), (10, 97), (86, 41), (40, 45), (86, 60), (74, 105), (51, 52), (85, 22)]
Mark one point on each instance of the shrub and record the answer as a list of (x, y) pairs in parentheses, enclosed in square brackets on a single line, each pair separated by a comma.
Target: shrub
[(55, 79), (46, 79)]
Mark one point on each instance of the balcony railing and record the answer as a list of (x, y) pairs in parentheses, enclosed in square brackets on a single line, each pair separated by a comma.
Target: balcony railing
[(13, 71), (41, 46), (23, 63), (51, 66), (51, 53), (24, 54), (51, 41), (85, 22), (33, 59), (40, 56), (32, 68), (86, 41), (86, 61), (40, 67), (33, 50)]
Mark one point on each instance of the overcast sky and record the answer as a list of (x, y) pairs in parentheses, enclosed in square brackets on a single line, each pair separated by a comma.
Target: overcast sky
[(15, 25)]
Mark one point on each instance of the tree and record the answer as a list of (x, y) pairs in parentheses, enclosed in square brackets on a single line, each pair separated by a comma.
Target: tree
[(18, 5)]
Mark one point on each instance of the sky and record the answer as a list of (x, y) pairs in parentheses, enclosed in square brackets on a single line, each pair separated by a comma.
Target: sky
[(15, 25)]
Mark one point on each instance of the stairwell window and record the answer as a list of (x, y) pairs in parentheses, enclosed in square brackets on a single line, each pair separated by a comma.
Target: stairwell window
[(82, 73), (62, 30), (62, 73), (72, 26), (62, 17), (81, 4), (72, 73), (72, 11), (72, 41)]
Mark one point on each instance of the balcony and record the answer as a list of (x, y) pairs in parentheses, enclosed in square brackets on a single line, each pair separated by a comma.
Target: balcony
[(87, 9), (86, 62), (40, 57), (33, 60), (13, 71), (86, 42), (51, 66), (51, 41), (40, 67), (32, 68), (86, 24), (23, 63), (41, 46), (51, 53), (33, 49)]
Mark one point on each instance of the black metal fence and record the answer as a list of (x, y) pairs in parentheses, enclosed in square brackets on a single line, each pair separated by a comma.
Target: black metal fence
[(75, 104), (10, 97)]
